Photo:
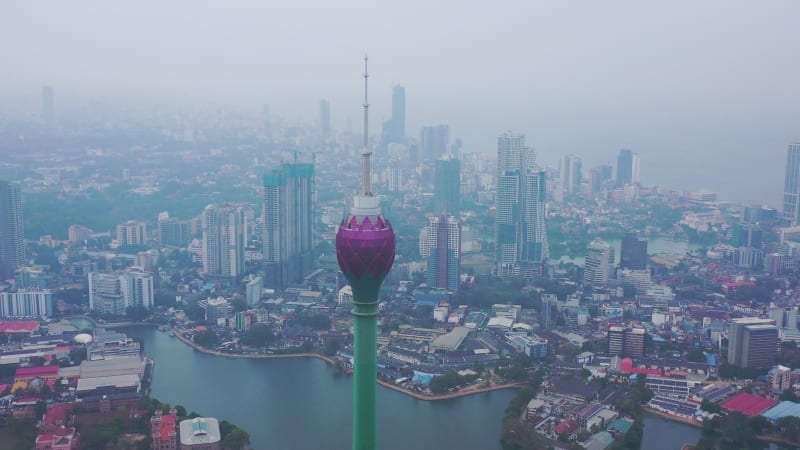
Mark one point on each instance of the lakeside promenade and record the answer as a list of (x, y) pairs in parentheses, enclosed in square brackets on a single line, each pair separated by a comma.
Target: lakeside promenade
[(472, 390)]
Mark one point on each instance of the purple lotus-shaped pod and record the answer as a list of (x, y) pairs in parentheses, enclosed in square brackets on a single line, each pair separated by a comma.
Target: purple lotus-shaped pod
[(365, 246)]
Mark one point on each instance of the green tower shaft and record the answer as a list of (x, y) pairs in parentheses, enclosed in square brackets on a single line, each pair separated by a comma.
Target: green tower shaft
[(365, 318)]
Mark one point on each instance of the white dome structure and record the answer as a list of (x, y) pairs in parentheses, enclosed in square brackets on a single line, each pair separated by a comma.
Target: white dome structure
[(83, 338)]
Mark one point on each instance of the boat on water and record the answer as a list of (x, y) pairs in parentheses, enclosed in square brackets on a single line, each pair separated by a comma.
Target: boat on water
[(171, 333)]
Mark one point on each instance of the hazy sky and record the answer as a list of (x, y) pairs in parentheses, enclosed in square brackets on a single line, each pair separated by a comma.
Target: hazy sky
[(708, 92)]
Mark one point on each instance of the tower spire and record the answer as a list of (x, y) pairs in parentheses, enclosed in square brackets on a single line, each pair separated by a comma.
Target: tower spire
[(365, 153)]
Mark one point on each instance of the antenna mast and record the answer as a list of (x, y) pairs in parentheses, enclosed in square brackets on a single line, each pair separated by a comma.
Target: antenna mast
[(365, 153)]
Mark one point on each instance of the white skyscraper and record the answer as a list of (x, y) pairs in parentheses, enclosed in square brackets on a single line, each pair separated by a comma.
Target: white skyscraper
[(598, 264), (791, 186), (132, 232), (571, 174), (521, 194), (115, 292), (223, 241)]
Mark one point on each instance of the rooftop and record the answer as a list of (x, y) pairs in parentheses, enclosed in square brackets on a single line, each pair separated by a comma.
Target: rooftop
[(782, 409), (119, 381), (620, 425), (200, 430), (19, 327), (748, 404), (34, 372)]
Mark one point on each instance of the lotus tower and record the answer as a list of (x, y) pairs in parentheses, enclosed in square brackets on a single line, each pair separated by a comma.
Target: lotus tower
[(365, 246)]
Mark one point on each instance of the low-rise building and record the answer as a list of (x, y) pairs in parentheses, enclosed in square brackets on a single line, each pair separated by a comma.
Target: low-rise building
[(163, 430), (62, 438), (200, 433)]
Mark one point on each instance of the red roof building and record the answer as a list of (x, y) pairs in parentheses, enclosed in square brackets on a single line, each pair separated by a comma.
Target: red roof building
[(748, 404), (19, 327), (26, 374), (626, 366), (58, 414), (61, 439), (568, 428), (162, 430)]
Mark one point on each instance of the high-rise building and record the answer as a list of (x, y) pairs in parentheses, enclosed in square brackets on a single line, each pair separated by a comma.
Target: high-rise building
[(615, 340), (784, 317), (287, 224), (325, 117), (444, 259), (173, 232), (34, 277), (549, 306), (598, 264), (434, 141), (746, 235), (223, 241), (12, 239), (447, 189), (627, 167), (253, 291), (114, 292), (626, 341), (78, 233), (105, 293), (397, 134), (779, 379), (217, 308), (633, 345), (791, 185), (633, 252), (752, 342), (521, 193), (365, 249), (598, 179), (132, 232), (26, 303), (48, 104), (571, 174)]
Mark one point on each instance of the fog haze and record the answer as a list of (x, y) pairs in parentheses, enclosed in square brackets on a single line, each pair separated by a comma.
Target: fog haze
[(707, 93)]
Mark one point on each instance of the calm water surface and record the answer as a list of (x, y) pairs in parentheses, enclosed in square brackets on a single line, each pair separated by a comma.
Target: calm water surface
[(301, 404)]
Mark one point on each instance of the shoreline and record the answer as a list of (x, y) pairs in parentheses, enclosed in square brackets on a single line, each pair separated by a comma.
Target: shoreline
[(667, 416), (761, 437), (332, 362)]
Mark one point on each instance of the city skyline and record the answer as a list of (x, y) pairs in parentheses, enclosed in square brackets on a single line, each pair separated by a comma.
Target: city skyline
[(689, 101), (565, 226)]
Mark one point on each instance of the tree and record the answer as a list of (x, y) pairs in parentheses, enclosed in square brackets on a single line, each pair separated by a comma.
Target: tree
[(259, 335), (239, 303), (315, 321), (710, 407), (136, 313), (45, 256), (207, 339), (445, 382), (165, 299), (331, 347), (569, 351), (628, 290), (696, 355), (194, 312), (180, 410), (41, 408), (236, 439)]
